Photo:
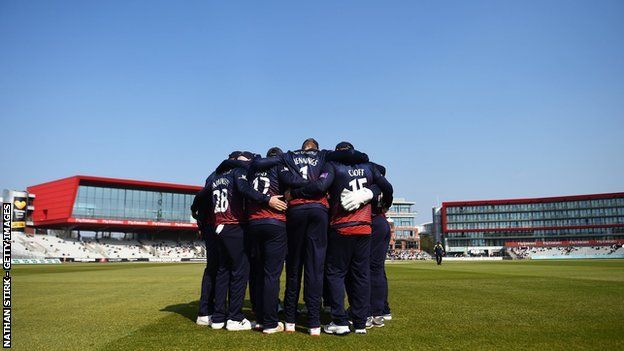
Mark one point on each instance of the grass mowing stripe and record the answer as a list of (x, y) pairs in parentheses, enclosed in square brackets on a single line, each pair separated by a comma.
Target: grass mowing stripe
[(554, 305)]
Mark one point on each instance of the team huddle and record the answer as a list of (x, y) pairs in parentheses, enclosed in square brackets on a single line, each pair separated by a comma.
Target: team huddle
[(322, 213)]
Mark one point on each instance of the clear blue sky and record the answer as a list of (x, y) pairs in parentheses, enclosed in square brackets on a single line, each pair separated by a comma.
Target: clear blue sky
[(459, 99)]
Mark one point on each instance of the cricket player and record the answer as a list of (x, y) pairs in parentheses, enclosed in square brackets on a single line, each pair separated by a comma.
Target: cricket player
[(380, 239), (438, 249), (200, 211), (349, 178), (306, 225), (267, 228), (230, 189)]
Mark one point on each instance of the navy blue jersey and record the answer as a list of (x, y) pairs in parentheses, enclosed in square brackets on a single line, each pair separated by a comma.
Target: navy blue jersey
[(308, 164), (439, 250), (351, 177), (200, 209), (382, 200), (270, 176), (229, 191), (348, 169), (266, 181)]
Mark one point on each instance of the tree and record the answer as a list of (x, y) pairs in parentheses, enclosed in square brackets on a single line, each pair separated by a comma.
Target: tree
[(426, 243)]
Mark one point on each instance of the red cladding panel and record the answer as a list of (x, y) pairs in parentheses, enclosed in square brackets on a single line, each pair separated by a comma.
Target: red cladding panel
[(138, 184), (54, 200)]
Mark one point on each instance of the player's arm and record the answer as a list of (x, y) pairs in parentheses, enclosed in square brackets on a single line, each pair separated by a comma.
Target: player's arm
[(317, 187), (379, 189), (209, 179), (383, 188), (290, 179), (287, 177), (203, 209), (200, 203), (342, 155), (242, 185), (260, 163), (287, 158), (195, 204)]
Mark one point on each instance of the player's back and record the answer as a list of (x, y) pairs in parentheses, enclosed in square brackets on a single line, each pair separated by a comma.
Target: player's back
[(309, 164), (227, 203), (266, 181), (351, 177)]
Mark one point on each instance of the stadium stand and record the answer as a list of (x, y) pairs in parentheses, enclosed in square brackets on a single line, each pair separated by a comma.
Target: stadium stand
[(174, 249), (112, 248), (402, 255), (20, 248), (49, 246), (562, 252)]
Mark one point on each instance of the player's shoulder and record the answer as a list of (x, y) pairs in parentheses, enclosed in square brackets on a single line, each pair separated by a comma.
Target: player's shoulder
[(308, 153), (209, 179), (239, 171), (292, 152), (370, 165), (334, 164), (290, 155)]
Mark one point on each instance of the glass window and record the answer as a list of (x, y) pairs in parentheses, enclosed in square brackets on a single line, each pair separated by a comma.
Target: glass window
[(117, 203)]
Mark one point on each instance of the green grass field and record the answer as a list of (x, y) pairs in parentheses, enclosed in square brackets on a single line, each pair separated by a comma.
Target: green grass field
[(545, 305)]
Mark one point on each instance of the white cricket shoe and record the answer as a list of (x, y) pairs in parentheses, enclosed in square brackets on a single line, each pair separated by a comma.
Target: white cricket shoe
[(315, 331), (376, 322), (387, 317), (217, 325), (278, 329), (290, 327), (238, 326), (360, 331), (204, 320), (332, 328)]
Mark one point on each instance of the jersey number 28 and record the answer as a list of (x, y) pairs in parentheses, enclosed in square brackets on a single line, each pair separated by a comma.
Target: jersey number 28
[(221, 200)]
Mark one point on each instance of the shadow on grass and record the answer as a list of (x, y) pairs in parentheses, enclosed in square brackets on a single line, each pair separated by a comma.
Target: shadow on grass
[(189, 310)]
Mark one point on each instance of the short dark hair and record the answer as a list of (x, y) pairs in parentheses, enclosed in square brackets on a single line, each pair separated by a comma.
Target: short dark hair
[(248, 155), (274, 151), (234, 155), (309, 141), (344, 145)]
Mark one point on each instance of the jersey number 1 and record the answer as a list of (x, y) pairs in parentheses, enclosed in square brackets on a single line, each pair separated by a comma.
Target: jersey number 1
[(304, 172)]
